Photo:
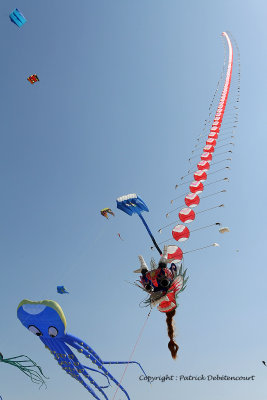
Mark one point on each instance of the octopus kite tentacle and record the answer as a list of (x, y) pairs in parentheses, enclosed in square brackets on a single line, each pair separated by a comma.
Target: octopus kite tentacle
[(73, 367), (73, 339), (81, 369), (82, 346), (101, 373), (100, 366)]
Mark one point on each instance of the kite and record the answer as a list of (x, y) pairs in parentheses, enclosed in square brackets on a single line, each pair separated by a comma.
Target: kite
[(46, 320), (264, 363), (61, 290), (224, 229), (132, 204), (106, 211), (33, 78), (27, 366), (119, 235), (162, 283), (17, 17)]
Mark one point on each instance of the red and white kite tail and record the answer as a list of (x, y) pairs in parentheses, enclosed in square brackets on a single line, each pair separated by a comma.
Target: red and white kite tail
[(213, 101), (192, 199), (187, 215)]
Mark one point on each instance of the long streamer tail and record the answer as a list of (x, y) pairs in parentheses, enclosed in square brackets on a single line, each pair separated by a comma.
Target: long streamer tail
[(172, 345)]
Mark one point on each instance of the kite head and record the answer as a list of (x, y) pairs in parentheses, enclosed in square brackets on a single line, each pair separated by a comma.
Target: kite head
[(157, 279), (131, 204), (161, 283), (43, 318)]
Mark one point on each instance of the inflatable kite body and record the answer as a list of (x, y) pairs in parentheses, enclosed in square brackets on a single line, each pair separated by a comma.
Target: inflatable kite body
[(47, 321), (17, 17), (106, 211), (33, 79)]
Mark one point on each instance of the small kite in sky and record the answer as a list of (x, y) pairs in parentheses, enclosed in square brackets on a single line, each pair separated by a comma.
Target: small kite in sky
[(264, 363), (46, 320), (17, 17), (120, 236), (61, 290), (33, 79), (224, 229), (27, 366), (106, 211)]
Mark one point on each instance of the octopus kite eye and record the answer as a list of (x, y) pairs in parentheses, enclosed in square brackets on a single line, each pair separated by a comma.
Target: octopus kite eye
[(35, 330), (52, 331)]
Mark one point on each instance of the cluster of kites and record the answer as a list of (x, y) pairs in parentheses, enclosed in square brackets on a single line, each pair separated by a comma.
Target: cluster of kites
[(18, 19), (165, 280), (46, 320), (162, 282)]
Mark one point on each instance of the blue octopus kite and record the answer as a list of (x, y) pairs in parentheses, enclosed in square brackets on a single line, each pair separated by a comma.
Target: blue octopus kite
[(47, 320)]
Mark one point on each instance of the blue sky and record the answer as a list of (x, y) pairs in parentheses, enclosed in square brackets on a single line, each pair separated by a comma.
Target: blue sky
[(124, 90)]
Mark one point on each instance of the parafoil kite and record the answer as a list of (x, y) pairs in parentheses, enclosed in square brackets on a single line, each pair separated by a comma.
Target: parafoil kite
[(17, 17), (27, 366), (106, 211), (132, 204), (163, 283), (46, 320), (33, 79), (61, 290)]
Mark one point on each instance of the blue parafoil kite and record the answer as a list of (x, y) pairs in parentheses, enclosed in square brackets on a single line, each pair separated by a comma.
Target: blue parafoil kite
[(133, 204), (61, 290), (17, 17), (47, 320)]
